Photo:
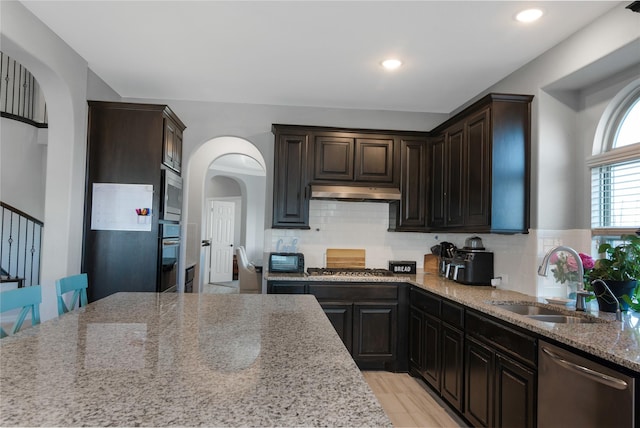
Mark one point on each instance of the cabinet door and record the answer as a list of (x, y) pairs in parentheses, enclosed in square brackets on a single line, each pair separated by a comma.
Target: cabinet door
[(333, 158), (375, 331), (416, 339), (290, 196), (168, 149), (341, 317), (413, 183), (478, 170), (515, 394), (177, 151), (437, 211), (455, 177), (374, 160), (452, 365), (478, 407), (432, 351)]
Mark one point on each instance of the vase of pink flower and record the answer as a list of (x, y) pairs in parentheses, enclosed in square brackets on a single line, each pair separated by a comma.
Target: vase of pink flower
[(566, 268)]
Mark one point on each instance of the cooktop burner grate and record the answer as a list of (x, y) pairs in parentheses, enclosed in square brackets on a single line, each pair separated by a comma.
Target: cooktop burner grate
[(348, 272)]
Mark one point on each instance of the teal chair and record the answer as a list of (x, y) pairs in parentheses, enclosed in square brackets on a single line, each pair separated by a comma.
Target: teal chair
[(76, 283), (27, 298)]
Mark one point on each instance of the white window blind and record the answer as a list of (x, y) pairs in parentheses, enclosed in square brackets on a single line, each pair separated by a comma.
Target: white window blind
[(615, 200)]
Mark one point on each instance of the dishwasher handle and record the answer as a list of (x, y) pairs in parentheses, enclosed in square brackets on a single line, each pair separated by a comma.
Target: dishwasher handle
[(585, 371)]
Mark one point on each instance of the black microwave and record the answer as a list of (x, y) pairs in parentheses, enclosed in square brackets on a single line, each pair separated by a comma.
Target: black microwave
[(286, 262)]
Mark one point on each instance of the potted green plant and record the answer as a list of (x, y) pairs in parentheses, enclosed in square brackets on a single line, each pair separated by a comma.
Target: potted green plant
[(620, 270)]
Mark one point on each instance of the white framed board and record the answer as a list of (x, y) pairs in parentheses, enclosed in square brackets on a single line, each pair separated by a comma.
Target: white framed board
[(115, 206)]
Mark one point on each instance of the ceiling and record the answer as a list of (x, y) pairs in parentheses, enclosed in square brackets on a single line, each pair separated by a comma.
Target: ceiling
[(310, 53)]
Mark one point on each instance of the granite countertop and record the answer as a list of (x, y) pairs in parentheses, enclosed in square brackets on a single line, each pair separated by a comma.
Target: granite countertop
[(617, 342), (177, 359)]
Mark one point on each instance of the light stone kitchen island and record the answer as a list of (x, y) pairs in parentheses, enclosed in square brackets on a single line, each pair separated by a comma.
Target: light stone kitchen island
[(173, 359)]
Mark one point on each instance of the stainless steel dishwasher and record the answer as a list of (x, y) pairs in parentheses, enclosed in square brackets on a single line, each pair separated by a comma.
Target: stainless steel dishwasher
[(576, 392)]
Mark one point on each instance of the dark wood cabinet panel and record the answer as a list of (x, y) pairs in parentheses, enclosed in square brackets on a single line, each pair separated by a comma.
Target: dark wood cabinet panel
[(341, 317), (375, 329), (416, 339), (126, 143), (172, 145), (437, 211), (432, 351), (515, 394), (290, 194), (333, 158), (479, 384), (374, 160), (452, 366), (409, 214), (478, 170), (455, 177)]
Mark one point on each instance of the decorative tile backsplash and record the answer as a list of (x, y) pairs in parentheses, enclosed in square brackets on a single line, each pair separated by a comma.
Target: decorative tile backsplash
[(338, 224)]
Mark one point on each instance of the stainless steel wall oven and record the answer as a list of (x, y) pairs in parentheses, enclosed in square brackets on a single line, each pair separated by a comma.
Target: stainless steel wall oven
[(169, 257)]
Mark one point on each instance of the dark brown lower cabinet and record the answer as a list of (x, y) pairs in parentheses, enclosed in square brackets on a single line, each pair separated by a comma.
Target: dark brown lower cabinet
[(375, 331), (478, 383), (341, 317), (500, 374), (436, 350), (515, 394), (370, 318), (452, 374)]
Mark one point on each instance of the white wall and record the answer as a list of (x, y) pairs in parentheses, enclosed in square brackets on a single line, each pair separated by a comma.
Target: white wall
[(23, 167)]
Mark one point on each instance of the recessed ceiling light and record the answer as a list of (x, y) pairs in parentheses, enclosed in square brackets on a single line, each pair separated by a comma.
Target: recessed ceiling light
[(529, 15), (391, 64)]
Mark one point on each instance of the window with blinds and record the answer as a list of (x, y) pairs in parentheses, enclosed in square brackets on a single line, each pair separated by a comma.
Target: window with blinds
[(615, 173), (615, 197)]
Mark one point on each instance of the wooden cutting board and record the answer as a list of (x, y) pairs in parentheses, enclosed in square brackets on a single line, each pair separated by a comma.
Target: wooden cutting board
[(345, 258), (430, 263)]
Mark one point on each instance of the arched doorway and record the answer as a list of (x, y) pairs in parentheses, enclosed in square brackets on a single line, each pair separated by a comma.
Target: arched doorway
[(198, 168), (237, 182)]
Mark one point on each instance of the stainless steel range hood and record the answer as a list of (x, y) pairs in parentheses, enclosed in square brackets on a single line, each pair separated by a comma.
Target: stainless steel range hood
[(355, 193)]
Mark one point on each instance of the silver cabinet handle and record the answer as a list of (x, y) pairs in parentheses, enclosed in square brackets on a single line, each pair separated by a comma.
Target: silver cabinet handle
[(595, 375), (170, 243)]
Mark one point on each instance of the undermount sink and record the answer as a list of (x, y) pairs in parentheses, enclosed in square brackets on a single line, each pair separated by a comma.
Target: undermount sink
[(563, 319), (547, 314), (529, 309)]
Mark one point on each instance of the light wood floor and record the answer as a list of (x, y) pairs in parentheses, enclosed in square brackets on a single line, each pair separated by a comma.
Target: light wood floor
[(407, 401)]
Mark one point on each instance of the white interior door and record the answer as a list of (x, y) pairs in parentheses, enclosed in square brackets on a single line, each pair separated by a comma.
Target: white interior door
[(221, 225)]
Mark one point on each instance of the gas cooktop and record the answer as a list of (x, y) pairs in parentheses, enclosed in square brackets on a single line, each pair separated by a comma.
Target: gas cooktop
[(348, 272)]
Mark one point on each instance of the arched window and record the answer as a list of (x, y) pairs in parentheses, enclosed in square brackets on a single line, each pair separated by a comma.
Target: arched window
[(615, 167)]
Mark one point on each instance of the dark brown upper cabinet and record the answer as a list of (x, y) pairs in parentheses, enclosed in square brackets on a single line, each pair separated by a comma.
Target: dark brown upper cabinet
[(409, 214), (290, 187), (484, 183), (172, 147), (353, 159)]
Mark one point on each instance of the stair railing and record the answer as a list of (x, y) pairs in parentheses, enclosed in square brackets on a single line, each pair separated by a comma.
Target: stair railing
[(20, 246)]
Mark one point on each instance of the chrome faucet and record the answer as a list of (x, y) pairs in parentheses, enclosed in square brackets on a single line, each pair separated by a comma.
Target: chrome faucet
[(618, 308), (581, 294)]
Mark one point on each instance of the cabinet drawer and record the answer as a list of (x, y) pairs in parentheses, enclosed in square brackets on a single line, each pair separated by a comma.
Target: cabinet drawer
[(189, 274), (353, 292), (507, 339), (286, 288), (425, 301), (452, 313)]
